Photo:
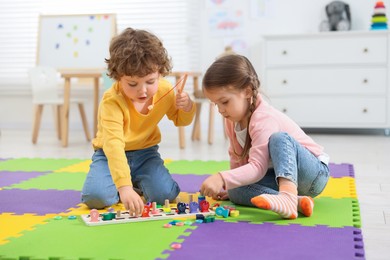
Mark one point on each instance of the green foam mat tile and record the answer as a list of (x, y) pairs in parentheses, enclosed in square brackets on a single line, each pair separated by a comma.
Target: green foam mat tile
[(35, 164), (327, 211), (56, 181), (72, 239), (197, 167)]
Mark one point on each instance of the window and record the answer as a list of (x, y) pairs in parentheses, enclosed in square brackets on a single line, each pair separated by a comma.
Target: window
[(173, 21)]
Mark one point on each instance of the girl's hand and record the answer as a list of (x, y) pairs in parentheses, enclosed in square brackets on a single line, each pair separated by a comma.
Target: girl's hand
[(183, 101), (223, 195), (131, 200), (212, 186)]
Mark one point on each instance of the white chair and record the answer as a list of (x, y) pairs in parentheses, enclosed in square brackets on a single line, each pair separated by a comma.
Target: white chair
[(45, 92)]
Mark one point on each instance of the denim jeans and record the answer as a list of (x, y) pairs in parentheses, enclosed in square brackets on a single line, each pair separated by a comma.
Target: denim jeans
[(291, 161), (148, 174)]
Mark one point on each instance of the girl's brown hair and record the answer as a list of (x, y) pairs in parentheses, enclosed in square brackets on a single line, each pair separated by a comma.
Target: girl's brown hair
[(137, 53), (237, 72)]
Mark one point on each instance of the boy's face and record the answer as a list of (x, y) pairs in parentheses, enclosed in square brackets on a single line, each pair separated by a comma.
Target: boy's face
[(140, 90)]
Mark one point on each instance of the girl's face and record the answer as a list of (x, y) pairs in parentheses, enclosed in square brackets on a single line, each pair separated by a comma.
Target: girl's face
[(140, 90), (232, 104)]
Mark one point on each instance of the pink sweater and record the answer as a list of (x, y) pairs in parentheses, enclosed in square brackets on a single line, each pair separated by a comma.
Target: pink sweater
[(265, 121)]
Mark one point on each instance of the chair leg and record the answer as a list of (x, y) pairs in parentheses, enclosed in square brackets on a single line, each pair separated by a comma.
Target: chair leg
[(182, 139), (211, 124), (196, 127), (57, 120), (84, 121), (37, 122)]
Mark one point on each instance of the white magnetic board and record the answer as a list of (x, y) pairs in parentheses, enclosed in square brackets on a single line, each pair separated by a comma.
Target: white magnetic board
[(75, 41)]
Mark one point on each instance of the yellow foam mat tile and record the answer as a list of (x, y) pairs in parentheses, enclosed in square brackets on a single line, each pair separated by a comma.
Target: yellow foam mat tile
[(78, 167), (340, 188), (167, 160), (83, 209), (13, 225), (84, 166)]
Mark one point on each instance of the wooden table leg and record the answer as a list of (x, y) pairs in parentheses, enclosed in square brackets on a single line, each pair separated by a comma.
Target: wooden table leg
[(182, 135), (65, 113), (182, 140), (95, 105), (37, 122), (57, 119), (196, 128), (211, 124)]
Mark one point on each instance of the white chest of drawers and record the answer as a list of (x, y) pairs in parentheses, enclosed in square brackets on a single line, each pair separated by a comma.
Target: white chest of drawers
[(329, 80)]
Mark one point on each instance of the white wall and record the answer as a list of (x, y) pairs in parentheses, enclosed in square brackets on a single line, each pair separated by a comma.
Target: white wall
[(279, 17)]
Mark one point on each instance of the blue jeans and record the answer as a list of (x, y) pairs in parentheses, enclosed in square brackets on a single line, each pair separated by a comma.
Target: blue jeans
[(148, 175), (291, 161)]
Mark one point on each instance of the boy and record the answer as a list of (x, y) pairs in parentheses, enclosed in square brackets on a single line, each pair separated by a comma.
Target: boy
[(126, 162)]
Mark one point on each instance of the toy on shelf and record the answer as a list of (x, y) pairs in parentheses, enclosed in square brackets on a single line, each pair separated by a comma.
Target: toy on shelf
[(339, 17), (379, 19)]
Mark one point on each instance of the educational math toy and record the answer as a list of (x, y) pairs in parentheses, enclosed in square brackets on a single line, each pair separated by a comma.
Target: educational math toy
[(96, 219)]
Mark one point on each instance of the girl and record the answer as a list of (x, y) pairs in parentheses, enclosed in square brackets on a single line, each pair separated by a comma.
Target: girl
[(274, 164)]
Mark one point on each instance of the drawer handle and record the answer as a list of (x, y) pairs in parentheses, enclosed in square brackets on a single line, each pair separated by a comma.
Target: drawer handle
[(365, 81), (365, 110), (284, 110), (365, 50), (284, 52), (284, 82)]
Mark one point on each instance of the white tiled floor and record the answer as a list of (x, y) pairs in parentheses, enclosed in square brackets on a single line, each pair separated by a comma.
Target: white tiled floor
[(370, 155)]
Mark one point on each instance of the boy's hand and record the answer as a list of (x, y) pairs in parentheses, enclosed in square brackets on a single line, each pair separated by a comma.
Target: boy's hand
[(183, 101), (213, 186), (131, 200)]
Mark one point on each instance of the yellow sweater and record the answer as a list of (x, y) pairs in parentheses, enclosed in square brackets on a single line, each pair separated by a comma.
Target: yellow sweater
[(122, 128)]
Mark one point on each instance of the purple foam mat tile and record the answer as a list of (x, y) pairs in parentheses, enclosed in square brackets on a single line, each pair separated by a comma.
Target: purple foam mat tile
[(39, 202), (242, 240), (189, 182), (8, 178), (341, 170)]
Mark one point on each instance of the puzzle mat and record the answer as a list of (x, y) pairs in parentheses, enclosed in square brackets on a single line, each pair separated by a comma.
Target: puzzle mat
[(34, 192)]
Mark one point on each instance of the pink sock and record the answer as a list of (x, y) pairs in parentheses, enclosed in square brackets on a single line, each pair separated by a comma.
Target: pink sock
[(284, 204)]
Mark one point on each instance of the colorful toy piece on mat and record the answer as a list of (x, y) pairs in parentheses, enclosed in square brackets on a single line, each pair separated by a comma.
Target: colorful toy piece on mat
[(225, 211), (200, 218), (379, 19), (221, 211), (151, 212)]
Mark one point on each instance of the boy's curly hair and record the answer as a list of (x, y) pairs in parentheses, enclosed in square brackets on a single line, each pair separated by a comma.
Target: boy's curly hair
[(137, 53)]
